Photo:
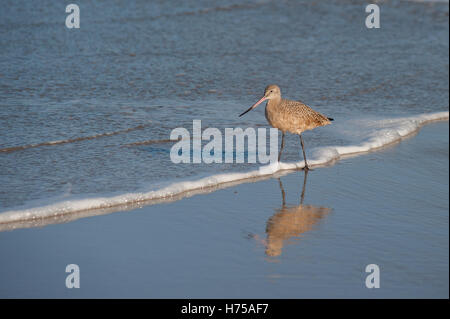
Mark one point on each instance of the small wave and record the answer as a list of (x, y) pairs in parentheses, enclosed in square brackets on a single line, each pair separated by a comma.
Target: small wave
[(72, 140), (200, 11), (149, 142), (225, 8), (396, 131), (429, 1)]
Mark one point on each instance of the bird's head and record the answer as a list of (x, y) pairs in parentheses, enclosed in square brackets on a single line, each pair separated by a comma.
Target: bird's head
[(272, 92)]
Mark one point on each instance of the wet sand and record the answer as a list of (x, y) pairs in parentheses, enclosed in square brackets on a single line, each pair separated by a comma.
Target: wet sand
[(282, 237)]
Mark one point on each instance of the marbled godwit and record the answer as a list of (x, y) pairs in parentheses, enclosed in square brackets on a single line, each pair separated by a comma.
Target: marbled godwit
[(291, 116)]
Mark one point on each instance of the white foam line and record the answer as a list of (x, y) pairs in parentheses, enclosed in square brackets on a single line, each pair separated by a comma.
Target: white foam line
[(383, 137)]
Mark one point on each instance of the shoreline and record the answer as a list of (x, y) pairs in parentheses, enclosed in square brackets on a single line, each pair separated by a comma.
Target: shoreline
[(60, 213)]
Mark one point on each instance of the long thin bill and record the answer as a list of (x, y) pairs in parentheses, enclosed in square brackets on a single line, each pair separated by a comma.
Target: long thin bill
[(254, 105)]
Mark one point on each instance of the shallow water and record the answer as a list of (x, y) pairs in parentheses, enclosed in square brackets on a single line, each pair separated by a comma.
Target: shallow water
[(74, 103), (388, 208)]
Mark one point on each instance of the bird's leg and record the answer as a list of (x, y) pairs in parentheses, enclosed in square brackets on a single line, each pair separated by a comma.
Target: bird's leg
[(303, 149), (281, 148), (302, 197), (283, 194)]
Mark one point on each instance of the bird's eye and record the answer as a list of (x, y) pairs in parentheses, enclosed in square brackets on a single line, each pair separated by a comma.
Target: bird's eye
[(271, 91)]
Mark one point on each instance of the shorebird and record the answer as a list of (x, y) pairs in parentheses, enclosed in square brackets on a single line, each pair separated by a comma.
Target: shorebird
[(289, 116)]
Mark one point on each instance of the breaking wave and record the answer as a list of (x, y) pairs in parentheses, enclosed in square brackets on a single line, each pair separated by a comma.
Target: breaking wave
[(388, 131), (72, 140)]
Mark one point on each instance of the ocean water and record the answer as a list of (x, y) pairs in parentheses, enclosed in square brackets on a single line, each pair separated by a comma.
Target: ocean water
[(86, 113)]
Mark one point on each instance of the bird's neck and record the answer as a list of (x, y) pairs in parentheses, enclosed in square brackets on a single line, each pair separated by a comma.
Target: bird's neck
[(273, 103)]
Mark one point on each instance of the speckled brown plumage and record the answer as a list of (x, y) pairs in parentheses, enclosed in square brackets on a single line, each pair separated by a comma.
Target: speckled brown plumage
[(293, 116), (289, 116)]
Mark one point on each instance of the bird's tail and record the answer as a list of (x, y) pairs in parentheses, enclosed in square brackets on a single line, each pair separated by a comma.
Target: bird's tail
[(330, 119)]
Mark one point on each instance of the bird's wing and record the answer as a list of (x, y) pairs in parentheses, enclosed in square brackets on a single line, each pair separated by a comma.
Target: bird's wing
[(308, 114)]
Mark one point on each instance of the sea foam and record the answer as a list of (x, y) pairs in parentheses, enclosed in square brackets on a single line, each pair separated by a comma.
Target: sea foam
[(388, 131)]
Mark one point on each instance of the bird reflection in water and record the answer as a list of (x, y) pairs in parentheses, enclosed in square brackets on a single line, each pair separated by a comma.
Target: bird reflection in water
[(290, 222)]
